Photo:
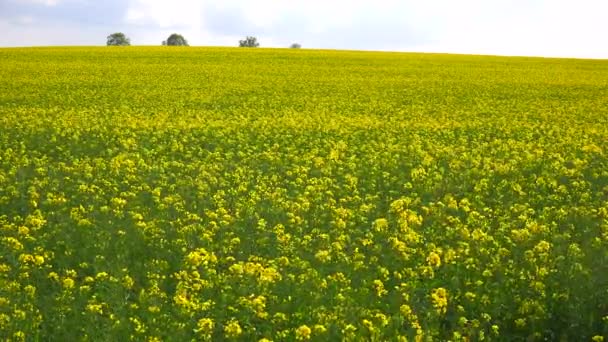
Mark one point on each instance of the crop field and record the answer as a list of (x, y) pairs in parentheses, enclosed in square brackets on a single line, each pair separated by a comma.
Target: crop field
[(178, 194)]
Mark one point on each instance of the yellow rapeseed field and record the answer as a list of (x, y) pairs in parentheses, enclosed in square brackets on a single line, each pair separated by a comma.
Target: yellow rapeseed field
[(192, 194)]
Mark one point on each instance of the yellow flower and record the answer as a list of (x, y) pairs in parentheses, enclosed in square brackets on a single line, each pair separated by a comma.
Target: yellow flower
[(323, 256), (382, 319), (303, 333), (433, 259), (380, 225), (439, 297), (379, 287), (30, 290), (233, 329), (13, 243), (269, 275), (369, 325), (181, 299), (200, 256), (19, 314), (23, 230), (349, 329), (68, 283), (95, 308), (38, 260), (405, 310), (205, 326), (127, 282), (19, 336), (320, 329), (101, 276), (140, 328), (542, 247)]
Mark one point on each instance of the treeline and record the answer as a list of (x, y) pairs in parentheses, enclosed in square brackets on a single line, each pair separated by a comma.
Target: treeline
[(120, 39)]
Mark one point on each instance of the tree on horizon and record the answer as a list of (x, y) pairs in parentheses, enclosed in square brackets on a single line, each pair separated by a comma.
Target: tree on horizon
[(250, 41), (176, 40), (118, 39)]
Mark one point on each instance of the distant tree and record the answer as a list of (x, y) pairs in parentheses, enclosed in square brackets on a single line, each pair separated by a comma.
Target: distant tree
[(249, 42), (176, 40), (295, 46), (118, 39)]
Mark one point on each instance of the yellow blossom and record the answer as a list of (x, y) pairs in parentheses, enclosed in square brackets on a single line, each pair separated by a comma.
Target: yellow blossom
[(433, 259), (439, 298), (303, 333), (68, 283), (233, 329), (205, 326)]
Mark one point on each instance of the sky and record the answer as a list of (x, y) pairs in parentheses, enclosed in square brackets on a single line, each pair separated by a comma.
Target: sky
[(551, 28)]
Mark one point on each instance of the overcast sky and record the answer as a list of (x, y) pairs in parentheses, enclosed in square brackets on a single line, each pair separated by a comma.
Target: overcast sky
[(566, 28)]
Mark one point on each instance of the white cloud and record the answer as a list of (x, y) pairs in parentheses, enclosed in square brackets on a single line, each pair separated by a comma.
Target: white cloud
[(540, 28), (509, 27), (165, 14), (49, 3), (25, 20), (318, 15), (47, 35)]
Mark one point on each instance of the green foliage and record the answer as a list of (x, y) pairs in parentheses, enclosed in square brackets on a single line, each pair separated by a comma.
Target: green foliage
[(175, 40), (216, 193), (295, 46), (118, 39), (249, 42)]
